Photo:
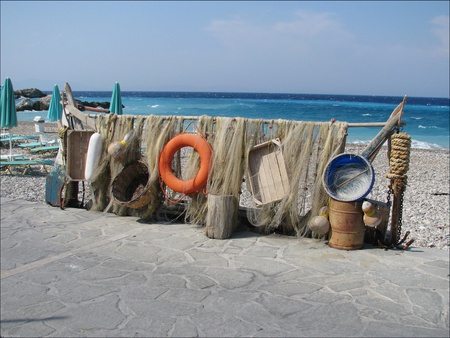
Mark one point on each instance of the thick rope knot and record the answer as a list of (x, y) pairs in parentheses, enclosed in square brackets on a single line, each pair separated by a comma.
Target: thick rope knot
[(399, 158)]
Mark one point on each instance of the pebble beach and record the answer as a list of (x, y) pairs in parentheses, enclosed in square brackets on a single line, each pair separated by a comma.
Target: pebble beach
[(425, 204)]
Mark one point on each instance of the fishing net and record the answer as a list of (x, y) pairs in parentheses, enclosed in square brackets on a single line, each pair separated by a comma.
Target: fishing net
[(306, 148), (113, 128), (227, 138), (158, 131)]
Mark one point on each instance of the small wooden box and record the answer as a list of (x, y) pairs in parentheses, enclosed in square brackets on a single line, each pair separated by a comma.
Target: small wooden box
[(267, 173), (77, 146)]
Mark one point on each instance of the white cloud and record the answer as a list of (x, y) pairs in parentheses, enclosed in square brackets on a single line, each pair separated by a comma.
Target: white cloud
[(310, 24), (234, 31), (304, 26), (441, 30), (301, 40), (284, 52)]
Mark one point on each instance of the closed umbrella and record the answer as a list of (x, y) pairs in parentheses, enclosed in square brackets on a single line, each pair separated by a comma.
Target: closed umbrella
[(55, 108), (116, 101), (8, 117)]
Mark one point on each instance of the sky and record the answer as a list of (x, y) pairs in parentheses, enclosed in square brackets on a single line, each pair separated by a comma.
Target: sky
[(311, 47)]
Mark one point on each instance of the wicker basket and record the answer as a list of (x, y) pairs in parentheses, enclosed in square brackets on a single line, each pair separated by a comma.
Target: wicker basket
[(130, 187)]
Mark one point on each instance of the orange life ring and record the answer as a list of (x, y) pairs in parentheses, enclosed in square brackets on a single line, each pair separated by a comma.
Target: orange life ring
[(165, 163)]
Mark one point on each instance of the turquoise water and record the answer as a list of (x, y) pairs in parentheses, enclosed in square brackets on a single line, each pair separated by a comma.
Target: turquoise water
[(427, 119)]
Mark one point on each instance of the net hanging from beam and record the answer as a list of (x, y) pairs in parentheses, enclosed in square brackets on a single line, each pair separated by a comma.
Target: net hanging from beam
[(306, 148)]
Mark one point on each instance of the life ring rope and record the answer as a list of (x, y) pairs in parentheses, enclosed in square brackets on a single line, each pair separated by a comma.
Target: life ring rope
[(166, 175), (167, 196)]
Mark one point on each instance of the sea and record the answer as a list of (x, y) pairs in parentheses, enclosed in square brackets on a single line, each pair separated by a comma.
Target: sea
[(426, 118)]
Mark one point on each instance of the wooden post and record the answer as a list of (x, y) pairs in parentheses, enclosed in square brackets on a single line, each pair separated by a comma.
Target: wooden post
[(75, 122), (221, 219), (71, 193)]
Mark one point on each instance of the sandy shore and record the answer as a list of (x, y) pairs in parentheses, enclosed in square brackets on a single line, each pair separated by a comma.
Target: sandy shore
[(425, 206)]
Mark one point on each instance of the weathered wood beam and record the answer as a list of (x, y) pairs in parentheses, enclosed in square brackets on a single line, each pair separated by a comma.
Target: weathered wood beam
[(394, 121), (82, 117)]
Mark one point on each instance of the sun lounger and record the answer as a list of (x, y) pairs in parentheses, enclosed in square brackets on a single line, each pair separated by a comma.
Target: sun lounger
[(5, 140), (6, 135), (30, 145), (44, 141), (26, 165), (44, 149), (12, 157)]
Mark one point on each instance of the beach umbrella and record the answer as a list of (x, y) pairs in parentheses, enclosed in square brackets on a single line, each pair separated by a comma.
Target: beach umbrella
[(116, 101), (8, 117), (55, 108)]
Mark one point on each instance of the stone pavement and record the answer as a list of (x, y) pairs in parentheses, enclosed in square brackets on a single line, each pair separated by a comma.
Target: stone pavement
[(81, 273)]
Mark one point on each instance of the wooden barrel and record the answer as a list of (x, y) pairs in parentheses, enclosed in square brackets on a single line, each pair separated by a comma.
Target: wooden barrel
[(347, 226)]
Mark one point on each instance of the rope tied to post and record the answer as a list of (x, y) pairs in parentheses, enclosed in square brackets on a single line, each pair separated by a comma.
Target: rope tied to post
[(399, 158)]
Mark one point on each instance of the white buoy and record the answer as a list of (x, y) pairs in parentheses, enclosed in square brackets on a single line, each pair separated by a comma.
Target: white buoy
[(93, 155)]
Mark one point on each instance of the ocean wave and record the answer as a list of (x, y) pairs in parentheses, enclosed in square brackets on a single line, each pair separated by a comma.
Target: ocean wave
[(359, 142), (154, 106), (248, 105), (426, 145), (429, 127), (367, 114), (415, 144)]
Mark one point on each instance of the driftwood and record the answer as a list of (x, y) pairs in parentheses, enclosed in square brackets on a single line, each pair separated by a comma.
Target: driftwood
[(74, 123), (394, 121), (81, 116), (221, 219)]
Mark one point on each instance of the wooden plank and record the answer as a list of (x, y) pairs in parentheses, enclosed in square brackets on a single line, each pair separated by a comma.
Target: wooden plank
[(77, 144), (283, 171), (195, 118), (54, 183), (272, 173), (275, 176), (394, 120), (75, 122), (269, 180), (371, 124), (82, 117)]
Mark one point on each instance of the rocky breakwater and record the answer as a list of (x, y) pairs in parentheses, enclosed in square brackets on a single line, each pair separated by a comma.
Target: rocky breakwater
[(27, 103)]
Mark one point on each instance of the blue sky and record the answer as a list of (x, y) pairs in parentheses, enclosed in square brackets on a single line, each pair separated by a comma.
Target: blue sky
[(363, 48)]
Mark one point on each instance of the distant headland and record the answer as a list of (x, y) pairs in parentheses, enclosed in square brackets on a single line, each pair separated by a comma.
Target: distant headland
[(27, 103)]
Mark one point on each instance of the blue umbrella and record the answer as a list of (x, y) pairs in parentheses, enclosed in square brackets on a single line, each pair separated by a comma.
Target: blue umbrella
[(8, 117), (116, 101), (55, 108)]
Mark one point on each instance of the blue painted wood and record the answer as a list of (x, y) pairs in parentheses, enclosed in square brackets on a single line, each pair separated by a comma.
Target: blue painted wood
[(54, 184)]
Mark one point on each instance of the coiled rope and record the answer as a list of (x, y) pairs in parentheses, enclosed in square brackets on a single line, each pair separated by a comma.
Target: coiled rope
[(398, 167), (399, 158)]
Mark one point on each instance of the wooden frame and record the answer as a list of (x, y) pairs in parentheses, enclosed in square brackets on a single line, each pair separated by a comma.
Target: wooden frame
[(267, 173), (77, 145)]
